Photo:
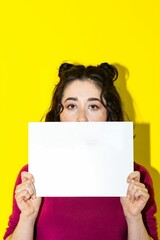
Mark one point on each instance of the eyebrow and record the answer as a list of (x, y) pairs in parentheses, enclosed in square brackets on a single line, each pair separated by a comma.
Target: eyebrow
[(71, 98), (94, 99), (89, 99)]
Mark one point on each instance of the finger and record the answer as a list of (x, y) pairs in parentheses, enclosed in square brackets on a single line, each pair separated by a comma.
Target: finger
[(135, 189), (23, 203), (27, 176), (26, 186), (134, 176), (138, 184), (22, 196), (20, 187), (30, 188), (142, 193), (131, 191)]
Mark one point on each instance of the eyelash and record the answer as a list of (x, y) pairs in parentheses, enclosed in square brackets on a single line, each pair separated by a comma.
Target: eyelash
[(93, 107), (71, 106)]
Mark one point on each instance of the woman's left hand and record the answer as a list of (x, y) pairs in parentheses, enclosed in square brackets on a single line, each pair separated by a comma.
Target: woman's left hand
[(136, 198)]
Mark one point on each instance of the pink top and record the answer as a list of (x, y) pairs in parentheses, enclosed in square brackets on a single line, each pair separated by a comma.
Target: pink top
[(87, 218)]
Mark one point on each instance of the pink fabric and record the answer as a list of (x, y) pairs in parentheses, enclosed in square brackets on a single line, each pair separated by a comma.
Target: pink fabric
[(87, 218)]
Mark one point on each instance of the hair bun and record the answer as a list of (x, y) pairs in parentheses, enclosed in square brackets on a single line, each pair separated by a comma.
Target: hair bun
[(64, 67), (110, 70)]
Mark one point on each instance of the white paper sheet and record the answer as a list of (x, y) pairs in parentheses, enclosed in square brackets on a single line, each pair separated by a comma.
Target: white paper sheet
[(81, 158)]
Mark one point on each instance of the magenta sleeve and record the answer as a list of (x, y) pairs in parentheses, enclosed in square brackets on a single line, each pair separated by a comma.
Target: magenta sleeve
[(150, 209), (14, 218)]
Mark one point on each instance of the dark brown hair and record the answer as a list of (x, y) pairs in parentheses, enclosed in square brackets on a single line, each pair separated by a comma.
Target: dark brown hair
[(103, 76)]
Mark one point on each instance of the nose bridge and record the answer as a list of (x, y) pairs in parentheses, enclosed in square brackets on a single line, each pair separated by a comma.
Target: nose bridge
[(82, 115)]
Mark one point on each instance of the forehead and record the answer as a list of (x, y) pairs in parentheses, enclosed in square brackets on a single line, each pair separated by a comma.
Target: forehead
[(82, 88)]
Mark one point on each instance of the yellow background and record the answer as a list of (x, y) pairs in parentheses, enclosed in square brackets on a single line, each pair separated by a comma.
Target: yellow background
[(37, 36)]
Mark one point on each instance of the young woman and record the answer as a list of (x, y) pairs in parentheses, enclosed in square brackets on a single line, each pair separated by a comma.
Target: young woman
[(84, 94)]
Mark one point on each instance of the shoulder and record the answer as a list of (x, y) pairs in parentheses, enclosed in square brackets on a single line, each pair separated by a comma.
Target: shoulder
[(24, 168), (146, 179), (145, 175), (138, 167), (150, 209)]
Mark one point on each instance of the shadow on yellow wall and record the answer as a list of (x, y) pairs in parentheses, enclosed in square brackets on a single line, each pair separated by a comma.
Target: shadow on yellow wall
[(141, 133)]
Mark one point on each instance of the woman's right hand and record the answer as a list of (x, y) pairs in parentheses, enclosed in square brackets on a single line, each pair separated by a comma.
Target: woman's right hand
[(25, 195)]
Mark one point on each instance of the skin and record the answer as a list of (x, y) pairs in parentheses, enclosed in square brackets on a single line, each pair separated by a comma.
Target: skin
[(81, 102)]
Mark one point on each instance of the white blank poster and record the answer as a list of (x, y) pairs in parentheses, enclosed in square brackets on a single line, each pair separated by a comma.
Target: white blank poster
[(81, 158)]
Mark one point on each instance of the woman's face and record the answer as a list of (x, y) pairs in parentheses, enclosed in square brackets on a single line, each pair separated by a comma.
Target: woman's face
[(81, 102)]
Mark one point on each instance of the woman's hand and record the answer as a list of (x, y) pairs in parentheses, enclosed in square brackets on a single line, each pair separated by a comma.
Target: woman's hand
[(136, 198), (25, 195)]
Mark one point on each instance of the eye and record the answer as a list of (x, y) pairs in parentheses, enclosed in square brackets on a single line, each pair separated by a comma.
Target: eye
[(71, 106), (93, 107)]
